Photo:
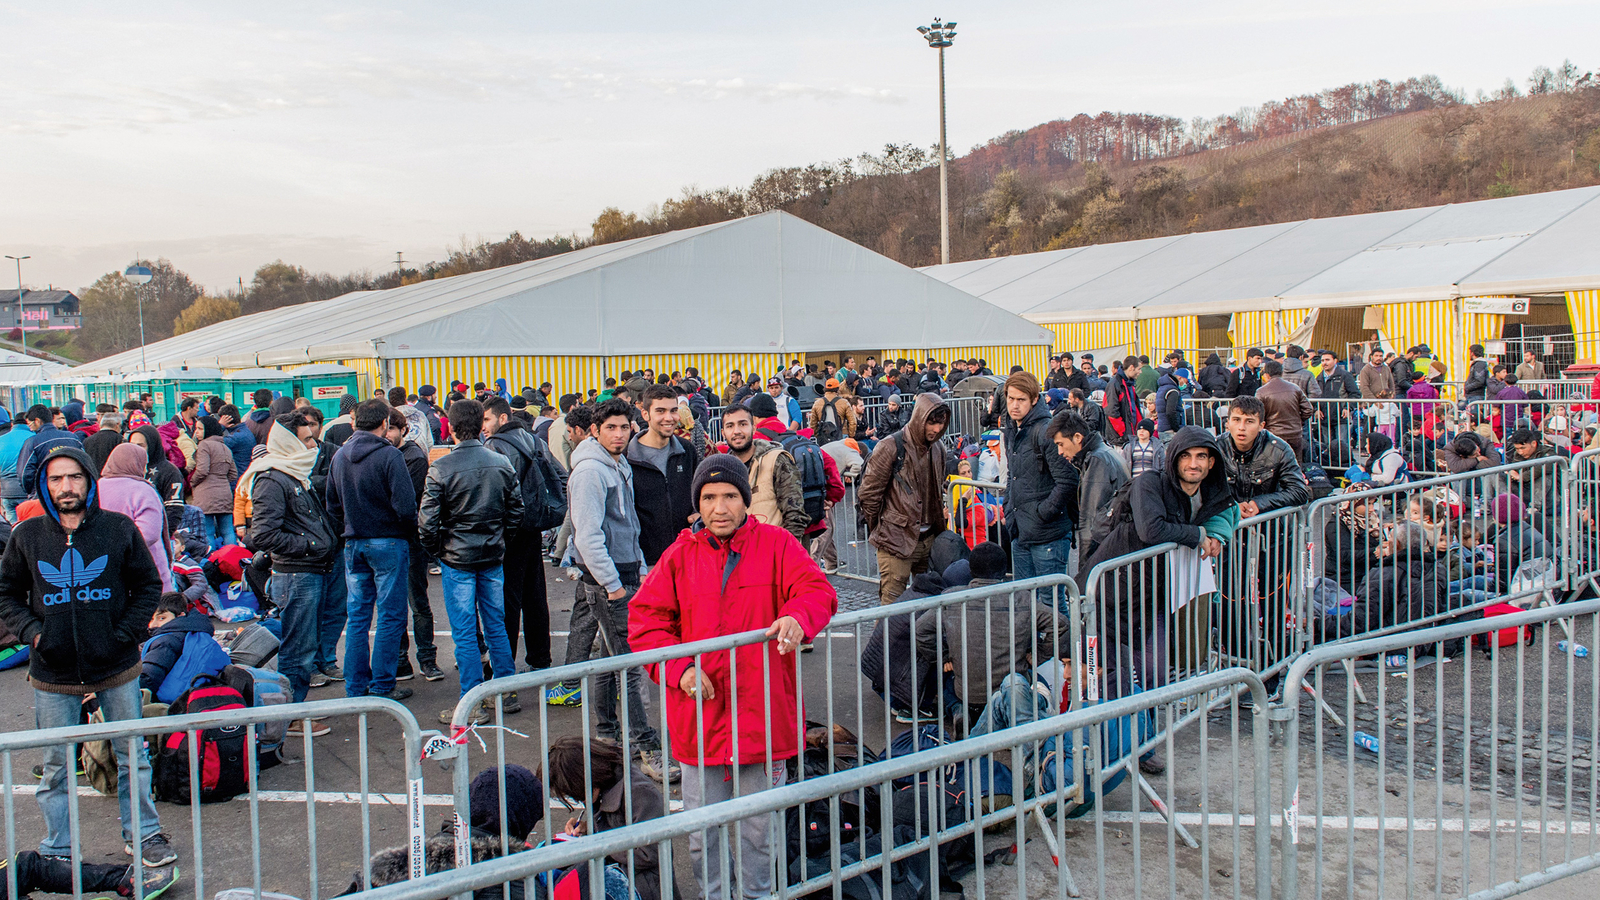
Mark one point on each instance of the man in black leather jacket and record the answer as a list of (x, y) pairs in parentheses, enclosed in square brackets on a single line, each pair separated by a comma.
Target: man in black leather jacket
[(527, 606), (470, 511), (1261, 466)]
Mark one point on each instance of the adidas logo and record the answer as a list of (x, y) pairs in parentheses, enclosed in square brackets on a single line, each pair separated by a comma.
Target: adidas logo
[(73, 572)]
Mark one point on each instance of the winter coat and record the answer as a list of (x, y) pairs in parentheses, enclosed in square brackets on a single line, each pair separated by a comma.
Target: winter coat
[(661, 497), (1296, 373), (1122, 409), (987, 641), (1169, 404), (896, 505), (776, 494), (1477, 383), (471, 507), (1348, 554), (1376, 381), (1515, 544), (369, 490), (605, 524), (905, 679), (1041, 503), (1402, 373), (165, 647), (240, 441), (1337, 384), (844, 413), (1407, 587), (1244, 382), (1213, 377), (136, 499), (1267, 473), (89, 602), (1101, 473), (517, 442), (99, 446), (259, 422), (1287, 410), (214, 474), (705, 588), (288, 523), (11, 441)]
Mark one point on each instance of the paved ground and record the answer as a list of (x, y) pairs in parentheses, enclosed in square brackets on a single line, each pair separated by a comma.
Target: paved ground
[(1122, 849)]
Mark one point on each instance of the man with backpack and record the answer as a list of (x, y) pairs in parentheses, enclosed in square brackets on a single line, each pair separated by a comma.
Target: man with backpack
[(544, 505), (832, 416), (78, 586), (902, 495), (777, 495), (663, 466)]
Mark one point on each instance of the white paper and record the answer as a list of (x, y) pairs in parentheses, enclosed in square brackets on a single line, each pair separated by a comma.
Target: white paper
[(1188, 577)]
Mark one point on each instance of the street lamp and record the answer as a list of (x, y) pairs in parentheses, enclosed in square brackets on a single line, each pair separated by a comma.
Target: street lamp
[(22, 322), (139, 276), (939, 35)]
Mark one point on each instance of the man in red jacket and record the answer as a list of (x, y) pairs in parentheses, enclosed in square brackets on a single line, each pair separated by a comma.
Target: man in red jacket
[(730, 575)]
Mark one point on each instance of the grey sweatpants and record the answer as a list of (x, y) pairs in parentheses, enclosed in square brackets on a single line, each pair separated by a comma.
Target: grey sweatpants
[(750, 852)]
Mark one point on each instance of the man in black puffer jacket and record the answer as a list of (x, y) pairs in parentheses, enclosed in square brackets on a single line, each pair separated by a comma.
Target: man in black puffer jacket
[(470, 511), (1041, 485), (527, 606)]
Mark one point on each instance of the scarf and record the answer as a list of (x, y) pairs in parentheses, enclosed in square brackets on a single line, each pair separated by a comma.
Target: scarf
[(417, 427), (286, 454)]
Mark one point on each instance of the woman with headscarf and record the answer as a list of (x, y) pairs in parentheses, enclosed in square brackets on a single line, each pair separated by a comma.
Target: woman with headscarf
[(123, 488), (1351, 540), (212, 485), (160, 472), (1385, 466)]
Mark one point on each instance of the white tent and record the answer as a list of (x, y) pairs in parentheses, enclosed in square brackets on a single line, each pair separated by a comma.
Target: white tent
[(769, 284)]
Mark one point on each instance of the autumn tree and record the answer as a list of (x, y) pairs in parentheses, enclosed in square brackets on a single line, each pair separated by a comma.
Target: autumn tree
[(205, 311)]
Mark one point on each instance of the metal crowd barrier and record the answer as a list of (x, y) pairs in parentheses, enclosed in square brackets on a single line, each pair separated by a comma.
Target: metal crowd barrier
[(1582, 531), (914, 788), (972, 510), (1472, 779), (406, 798), (1534, 413)]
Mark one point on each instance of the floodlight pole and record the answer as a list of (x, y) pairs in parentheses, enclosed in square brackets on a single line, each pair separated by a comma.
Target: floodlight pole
[(22, 316), (939, 36)]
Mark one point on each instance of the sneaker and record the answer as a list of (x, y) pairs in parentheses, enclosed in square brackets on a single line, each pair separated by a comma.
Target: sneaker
[(318, 729), (510, 704), (480, 716), (156, 882), (399, 693), (655, 764), (830, 570), (155, 851), (333, 673), (320, 680), (1152, 765), (431, 671), (404, 672), (806, 647), (561, 695), (38, 768), (433, 569)]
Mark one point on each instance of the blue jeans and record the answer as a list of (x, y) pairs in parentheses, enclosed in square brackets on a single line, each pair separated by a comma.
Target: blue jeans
[(299, 599), (56, 710), (1017, 703), (473, 596), (1035, 560), (331, 618), (219, 530), (1472, 591), (375, 574)]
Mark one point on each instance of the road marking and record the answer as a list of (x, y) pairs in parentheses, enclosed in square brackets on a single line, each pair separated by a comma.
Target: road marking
[(347, 798)]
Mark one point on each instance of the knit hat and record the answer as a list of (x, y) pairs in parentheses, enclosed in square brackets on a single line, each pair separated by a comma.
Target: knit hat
[(347, 405), (524, 801), (721, 468), (1506, 508), (762, 406), (519, 402)]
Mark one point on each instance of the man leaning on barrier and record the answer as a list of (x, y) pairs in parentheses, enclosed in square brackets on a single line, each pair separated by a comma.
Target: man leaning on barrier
[(728, 575), (78, 585)]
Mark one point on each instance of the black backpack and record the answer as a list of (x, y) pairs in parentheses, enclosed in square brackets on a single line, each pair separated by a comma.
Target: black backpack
[(813, 474), (223, 765), (543, 483)]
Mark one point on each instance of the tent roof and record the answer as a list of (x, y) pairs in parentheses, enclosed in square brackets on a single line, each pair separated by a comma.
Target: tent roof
[(766, 283), (1533, 244)]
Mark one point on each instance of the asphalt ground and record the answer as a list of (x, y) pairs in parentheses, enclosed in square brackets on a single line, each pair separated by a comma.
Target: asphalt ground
[(1115, 851)]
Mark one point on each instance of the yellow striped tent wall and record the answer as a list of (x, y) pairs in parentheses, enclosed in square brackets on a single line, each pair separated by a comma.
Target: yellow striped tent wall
[(1080, 336), (1440, 325), (566, 374), (1583, 308), (1158, 337), (1262, 328), (369, 373), (714, 367)]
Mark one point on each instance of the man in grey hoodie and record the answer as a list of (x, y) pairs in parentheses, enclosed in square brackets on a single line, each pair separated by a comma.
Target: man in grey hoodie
[(605, 542)]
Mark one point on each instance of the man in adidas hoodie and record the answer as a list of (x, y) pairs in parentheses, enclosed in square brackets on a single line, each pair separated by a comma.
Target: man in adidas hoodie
[(78, 586)]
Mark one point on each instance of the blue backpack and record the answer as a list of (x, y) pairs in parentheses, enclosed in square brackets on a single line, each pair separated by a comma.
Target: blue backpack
[(201, 655)]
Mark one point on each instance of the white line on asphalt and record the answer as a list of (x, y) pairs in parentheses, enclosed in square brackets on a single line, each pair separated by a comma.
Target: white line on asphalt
[(376, 798), (1359, 823)]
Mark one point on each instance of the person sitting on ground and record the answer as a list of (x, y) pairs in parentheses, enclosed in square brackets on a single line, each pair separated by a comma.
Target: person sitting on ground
[(1351, 540), (36, 872), (182, 646), (598, 779), (1384, 466), (1407, 585), (909, 681)]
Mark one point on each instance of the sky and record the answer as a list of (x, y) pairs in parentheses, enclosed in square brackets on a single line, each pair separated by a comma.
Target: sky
[(226, 135)]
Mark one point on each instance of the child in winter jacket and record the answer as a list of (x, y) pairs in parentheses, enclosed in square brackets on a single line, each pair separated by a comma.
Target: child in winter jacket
[(182, 645)]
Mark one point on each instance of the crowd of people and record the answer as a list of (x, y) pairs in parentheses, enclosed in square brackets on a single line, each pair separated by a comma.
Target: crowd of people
[(684, 514)]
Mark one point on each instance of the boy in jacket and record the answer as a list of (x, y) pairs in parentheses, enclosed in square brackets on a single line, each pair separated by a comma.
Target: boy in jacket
[(731, 574), (78, 586)]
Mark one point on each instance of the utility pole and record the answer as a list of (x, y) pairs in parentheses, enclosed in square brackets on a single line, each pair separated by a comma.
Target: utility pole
[(399, 266), (939, 36), (22, 316)]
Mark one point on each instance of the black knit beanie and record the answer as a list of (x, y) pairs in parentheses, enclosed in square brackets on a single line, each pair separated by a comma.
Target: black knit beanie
[(721, 468)]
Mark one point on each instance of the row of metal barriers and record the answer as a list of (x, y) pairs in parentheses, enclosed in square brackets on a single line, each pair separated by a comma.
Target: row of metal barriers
[(1423, 761)]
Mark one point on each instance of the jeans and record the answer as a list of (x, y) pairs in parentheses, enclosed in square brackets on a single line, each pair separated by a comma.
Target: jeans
[(331, 618), (119, 704), (612, 619), (471, 596), (1035, 560), (421, 612), (375, 576), (299, 599), (219, 530), (1471, 591), (1017, 703), (526, 605), (9, 508)]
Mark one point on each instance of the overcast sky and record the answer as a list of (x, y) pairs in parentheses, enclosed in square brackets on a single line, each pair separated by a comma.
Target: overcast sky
[(224, 136)]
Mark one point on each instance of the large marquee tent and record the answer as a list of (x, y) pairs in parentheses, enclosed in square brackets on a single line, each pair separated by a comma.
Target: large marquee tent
[(748, 294), (1416, 276)]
